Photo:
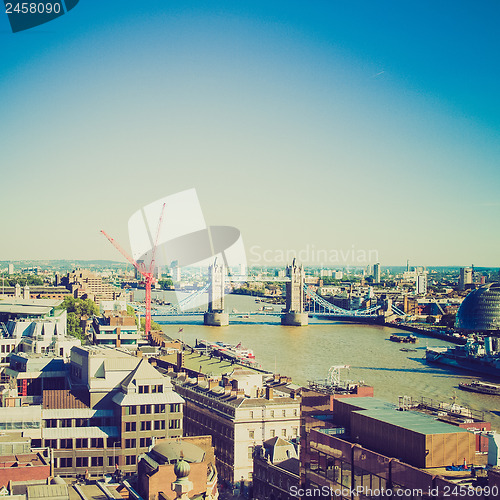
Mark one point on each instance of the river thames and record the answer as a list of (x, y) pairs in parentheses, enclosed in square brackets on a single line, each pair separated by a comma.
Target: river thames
[(306, 353)]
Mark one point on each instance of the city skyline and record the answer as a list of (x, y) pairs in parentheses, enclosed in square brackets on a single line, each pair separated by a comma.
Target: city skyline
[(326, 125)]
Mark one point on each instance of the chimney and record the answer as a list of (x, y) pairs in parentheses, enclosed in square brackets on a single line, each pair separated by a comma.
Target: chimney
[(276, 377), (212, 383), (240, 393), (180, 359), (269, 393), (234, 384), (201, 378)]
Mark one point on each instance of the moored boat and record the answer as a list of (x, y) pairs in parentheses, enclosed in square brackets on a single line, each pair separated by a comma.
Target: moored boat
[(408, 339), (482, 387)]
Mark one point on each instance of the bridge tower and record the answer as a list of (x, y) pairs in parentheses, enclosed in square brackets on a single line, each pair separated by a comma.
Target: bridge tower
[(216, 315), (294, 314)]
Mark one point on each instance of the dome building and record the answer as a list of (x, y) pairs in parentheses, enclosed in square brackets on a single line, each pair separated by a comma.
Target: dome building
[(171, 459), (480, 310)]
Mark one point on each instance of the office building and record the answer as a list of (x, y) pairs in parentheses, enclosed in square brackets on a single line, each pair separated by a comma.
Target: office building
[(376, 273), (465, 279)]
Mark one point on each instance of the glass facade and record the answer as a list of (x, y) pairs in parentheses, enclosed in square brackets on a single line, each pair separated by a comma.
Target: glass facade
[(480, 310)]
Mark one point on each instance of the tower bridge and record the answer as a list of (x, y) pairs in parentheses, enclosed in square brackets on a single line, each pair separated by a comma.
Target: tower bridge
[(293, 314)]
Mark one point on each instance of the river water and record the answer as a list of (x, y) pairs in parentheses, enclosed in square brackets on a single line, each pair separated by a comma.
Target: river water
[(306, 353)]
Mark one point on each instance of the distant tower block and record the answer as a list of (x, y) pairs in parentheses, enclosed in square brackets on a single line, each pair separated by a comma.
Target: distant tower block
[(216, 315), (294, 310)]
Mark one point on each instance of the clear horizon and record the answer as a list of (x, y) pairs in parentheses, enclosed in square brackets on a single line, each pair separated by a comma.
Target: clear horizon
[(332, 125)]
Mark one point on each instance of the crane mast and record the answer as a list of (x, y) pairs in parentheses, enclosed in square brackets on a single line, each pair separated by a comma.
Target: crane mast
[(147, 274)]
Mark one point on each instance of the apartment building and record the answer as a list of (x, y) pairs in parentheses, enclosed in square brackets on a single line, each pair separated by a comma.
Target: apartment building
[(113, 408), (238, 415)]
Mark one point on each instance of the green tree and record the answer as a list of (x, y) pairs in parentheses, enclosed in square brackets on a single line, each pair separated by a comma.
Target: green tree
[(166, 284), (76, 309), (154, 325)]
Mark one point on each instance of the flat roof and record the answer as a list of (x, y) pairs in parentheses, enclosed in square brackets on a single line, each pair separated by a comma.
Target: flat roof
[(411, 420)]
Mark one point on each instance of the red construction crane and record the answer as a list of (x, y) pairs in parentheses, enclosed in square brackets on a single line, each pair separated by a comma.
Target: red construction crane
[(146, 273)]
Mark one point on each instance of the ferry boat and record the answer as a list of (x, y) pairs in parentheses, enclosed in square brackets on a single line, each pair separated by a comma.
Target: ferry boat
[(482, 387)]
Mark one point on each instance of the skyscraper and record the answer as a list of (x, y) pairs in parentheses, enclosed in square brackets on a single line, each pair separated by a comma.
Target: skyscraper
[(465, 277), (421, 284), (376, 273)]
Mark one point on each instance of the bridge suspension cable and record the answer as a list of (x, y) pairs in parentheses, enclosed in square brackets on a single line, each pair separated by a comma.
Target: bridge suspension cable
[(335, 310)]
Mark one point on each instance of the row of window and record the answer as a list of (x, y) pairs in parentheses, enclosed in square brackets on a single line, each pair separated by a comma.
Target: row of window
[(143, 442), (284, 433), (67, 444), (77, 422), (147, 409), (153, 389), (274, 414), (92, 461), (6, 348)]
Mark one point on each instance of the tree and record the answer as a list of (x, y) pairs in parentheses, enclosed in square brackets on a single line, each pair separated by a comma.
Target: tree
[(166, 284), (76, 309)]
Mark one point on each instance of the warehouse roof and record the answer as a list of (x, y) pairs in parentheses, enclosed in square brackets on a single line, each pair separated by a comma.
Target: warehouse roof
[(411, 420)]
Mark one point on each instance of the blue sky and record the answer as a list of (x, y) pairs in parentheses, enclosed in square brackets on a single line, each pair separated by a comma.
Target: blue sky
[(338, 125)]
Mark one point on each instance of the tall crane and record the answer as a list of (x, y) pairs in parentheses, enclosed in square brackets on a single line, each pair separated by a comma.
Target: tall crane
[(147, 274)]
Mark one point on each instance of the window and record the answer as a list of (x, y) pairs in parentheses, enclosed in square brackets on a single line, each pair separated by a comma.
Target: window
[(97, 443), (295, 431), (82, 461), (273, 433), (251, 434), (295, 413), (66, 422), (145, 442), (283, 413), (251, 414), (283, 432), (146, 425), (159, 424), (50, 423), (66, 444), (97, 461), (130, 410), (82, 443), (114, 460), (145, 409), (130, 459), (174, 424), (157, 388), (250, 451), (50, 443), (130, 426), (65, 462), (272, 413), (129, 443), (175, 408), (81, 422), (144, 389), (161, 408)]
